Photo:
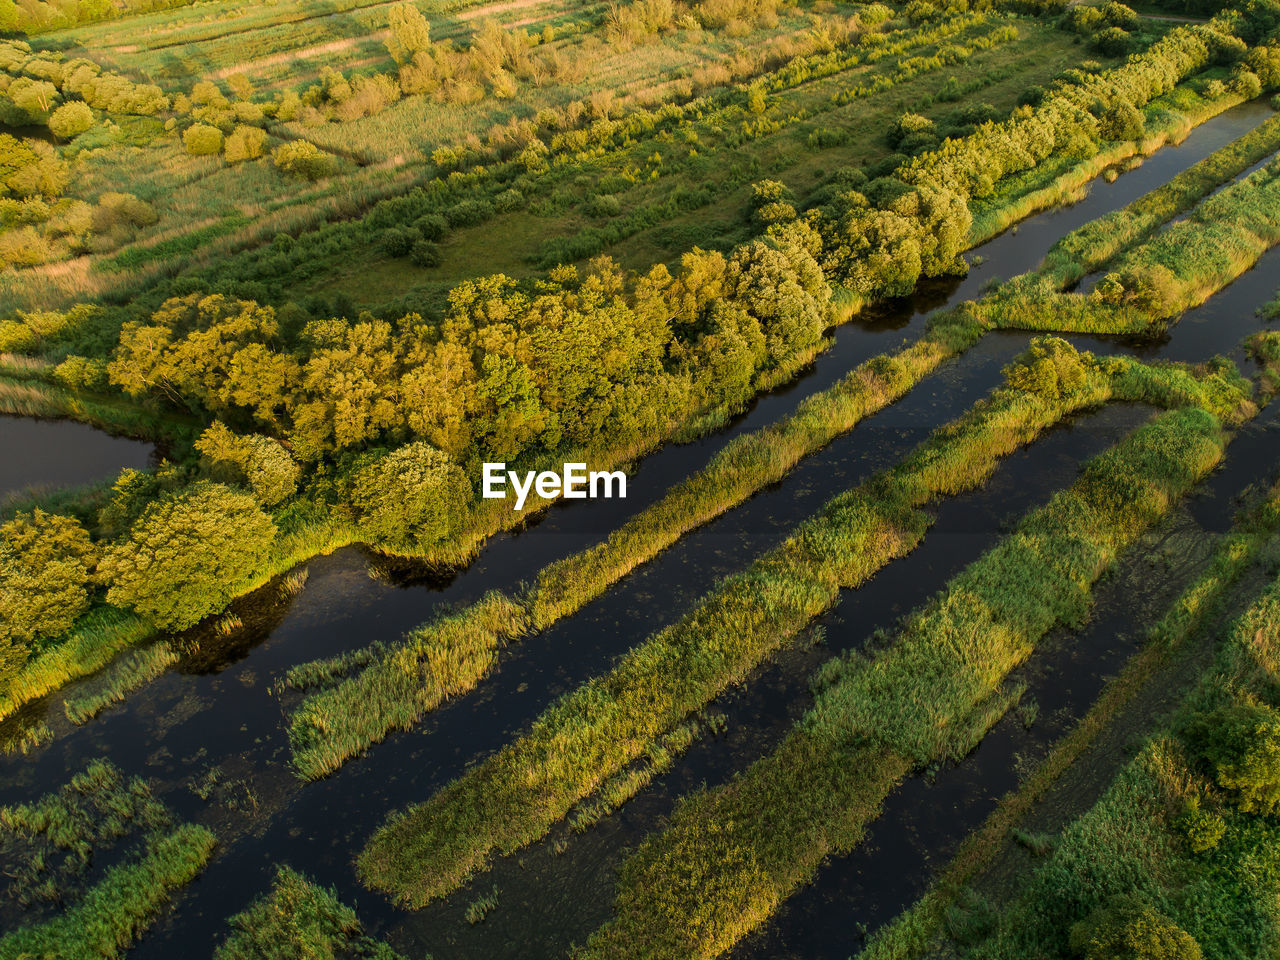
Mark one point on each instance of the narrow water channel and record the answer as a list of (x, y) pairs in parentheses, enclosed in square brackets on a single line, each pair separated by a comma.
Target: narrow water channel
[(37, 456)]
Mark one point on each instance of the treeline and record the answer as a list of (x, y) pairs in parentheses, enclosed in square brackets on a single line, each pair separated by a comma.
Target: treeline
[(41, 16)]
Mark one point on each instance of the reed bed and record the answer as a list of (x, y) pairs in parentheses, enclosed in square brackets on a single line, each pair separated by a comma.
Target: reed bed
[(126, 675), (512, 798), (691, 891), (115, 912)]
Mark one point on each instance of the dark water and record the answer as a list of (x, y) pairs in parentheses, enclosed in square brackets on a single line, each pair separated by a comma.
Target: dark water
[(48, 454), (217, 710)]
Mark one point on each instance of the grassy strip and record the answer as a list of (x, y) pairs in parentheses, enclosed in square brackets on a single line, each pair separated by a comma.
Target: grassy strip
[(124, 677), (1091, 246), (31, 398), (299, 918), (514, 797), (1167, 837), (121, 906), (1169, 273), (731, 855), (916, 930)]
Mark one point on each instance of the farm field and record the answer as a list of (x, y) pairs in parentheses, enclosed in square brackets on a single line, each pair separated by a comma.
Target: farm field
[(919, 593)]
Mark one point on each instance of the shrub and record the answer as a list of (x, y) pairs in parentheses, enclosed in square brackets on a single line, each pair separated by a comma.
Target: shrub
[(432, 226), (424, 253), (71, 120), (468, 212), (1240, 746), (303, 159), (1129, 930), (1052, 367), (245, 143), (201, 139), (1113, 42), (187, 554), (398, 241)]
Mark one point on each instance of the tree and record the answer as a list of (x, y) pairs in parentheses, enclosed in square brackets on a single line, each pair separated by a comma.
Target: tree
[(245, 143), (1052, 367), (258, 461), (45, 562), (414, 495), (71, 120), (1240, 744), (409, 33), (188, 553), (780, 283)]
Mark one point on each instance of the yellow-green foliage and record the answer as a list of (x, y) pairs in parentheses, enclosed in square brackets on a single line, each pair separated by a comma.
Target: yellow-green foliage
[(595, 731), (732, 854)]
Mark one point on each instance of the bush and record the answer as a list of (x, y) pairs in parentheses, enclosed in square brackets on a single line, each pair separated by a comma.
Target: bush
[(71, 120), (1113, 42), (245, 143), (468, 212), (201, 139), (398, 241), (1052, 367), (45, 561), (1240, 746), (255, 460), (1129, 930), (187, 554), (424, 253), (303, 159), (432, 226), (1123, 121)]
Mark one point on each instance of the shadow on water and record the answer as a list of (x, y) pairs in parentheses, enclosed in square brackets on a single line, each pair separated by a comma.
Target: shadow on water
[(217, 715)]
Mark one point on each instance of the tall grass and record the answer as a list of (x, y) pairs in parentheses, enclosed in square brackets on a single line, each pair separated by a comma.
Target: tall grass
[(913, 932), (299, 918), (732, 854), (512, 798), (115, 912), (1141, 839), (128, 674)]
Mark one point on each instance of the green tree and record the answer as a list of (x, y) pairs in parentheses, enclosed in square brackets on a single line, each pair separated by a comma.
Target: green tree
[(1240, 744), (303, 159), (187, 554), (201, 139), (245, 143), (45, 565), (414, 495), (1127, 929), (409, 33), (259, 462)]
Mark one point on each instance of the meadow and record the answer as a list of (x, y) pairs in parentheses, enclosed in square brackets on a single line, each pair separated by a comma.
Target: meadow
[(828, 281)]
